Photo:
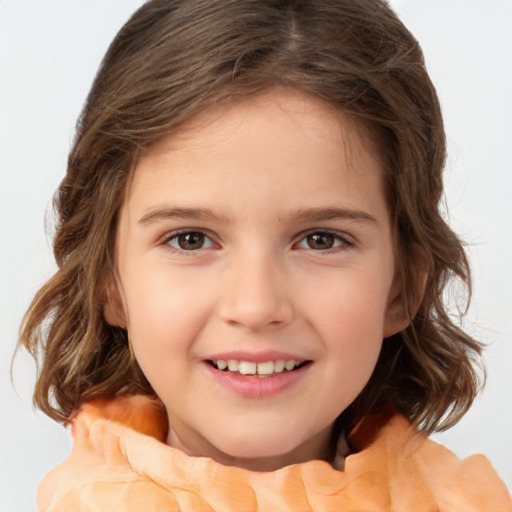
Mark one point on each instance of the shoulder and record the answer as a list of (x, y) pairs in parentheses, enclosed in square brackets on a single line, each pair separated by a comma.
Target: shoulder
[(98, 473), (414, 465)]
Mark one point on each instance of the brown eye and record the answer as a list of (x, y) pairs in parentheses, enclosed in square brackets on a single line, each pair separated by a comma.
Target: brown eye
[(321, 241), (190, 241)]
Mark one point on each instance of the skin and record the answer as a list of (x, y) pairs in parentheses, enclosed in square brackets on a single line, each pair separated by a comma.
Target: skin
[(255, 179)]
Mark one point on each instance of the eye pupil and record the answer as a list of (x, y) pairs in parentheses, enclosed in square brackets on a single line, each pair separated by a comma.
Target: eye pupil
[(191, 241), (320, 241)]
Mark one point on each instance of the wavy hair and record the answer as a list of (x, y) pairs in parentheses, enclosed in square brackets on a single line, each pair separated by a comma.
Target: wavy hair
[(174, 59)]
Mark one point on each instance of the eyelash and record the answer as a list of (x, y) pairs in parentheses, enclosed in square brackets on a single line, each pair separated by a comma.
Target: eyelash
[(175, 236), (341, 242)]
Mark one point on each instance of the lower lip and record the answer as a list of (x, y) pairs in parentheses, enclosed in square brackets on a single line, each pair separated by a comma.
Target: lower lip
[(250, 386)]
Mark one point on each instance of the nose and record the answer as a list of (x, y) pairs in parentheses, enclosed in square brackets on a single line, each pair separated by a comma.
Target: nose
[(256, 293)]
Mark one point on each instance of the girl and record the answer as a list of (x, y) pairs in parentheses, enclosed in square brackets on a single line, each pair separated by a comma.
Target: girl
[(248, 308)]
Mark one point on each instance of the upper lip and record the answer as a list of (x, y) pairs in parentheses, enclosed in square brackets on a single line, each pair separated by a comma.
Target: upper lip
[(256, 357)]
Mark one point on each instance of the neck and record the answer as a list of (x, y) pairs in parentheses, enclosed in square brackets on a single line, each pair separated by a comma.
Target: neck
[(317, 448)]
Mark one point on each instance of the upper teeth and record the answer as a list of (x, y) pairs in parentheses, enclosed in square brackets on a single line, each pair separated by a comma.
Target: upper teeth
[(252, 368)]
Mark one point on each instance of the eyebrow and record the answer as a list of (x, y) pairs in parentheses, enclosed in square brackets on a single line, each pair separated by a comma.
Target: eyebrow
[(330, 213), (180, 213), (301, 215)]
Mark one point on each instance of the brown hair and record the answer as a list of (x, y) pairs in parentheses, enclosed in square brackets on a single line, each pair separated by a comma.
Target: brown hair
[(175, 58)]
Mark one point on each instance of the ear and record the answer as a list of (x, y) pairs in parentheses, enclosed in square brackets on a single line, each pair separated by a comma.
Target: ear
[(403, 306), (113, 306)]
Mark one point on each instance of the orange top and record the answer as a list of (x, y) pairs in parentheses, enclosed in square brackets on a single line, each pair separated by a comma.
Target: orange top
[(120, 463)]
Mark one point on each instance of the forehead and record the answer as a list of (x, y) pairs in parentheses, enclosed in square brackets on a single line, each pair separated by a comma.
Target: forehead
[(291, 113), (282, 143)]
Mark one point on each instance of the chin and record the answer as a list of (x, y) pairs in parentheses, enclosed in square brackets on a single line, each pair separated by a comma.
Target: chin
[(263, 441)]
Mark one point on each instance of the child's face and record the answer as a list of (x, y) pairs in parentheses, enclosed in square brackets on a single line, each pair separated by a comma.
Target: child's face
[(260, 234)]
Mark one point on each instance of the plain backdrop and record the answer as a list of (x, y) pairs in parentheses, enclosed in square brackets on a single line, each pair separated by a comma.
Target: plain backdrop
[(49, 53)]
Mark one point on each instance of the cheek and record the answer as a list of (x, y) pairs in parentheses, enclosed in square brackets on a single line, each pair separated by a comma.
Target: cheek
[(350, 317), (164, 313), (355, 302)]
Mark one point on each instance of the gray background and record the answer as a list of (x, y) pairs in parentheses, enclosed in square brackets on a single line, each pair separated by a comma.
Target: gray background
[(49, 52)]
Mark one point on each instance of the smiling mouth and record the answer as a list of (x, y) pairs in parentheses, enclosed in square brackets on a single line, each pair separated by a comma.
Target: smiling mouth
[(265, 369)]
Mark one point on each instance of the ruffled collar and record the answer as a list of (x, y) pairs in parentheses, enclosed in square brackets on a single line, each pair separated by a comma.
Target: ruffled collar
[(120, 462)]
